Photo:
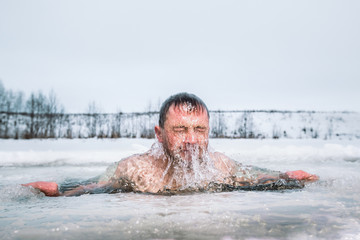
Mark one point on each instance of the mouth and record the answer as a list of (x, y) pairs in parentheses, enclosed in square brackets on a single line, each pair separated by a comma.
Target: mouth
[(188, 152)]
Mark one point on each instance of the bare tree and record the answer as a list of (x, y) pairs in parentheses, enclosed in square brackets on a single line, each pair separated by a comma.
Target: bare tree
[(2, 97), (53, 111), (330, 129), (93, 120), (146, 128), (246, 125), (18, 108), (11, 103), (218, 124), (276, 132), (38, 107), (7, 105), (2, 108)]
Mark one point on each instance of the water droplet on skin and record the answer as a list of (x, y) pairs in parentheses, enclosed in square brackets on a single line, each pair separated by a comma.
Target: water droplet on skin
[(191, 168)]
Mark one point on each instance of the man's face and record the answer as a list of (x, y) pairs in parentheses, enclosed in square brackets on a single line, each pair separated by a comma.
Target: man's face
[(185, 132)]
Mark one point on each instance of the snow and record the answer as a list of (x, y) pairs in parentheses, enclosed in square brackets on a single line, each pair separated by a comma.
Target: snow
[(269, 152), (230, 124)]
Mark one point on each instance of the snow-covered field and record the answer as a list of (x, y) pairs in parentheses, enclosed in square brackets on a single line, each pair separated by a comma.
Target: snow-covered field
[(328, 209)]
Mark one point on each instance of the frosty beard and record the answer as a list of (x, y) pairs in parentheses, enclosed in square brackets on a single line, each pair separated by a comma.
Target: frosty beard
[(186, 156), (191, 166)]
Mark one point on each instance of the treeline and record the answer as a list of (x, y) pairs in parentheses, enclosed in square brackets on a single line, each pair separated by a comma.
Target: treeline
[(43, 112), (237, 124), (43, 116), (62, 125), (37, 103)]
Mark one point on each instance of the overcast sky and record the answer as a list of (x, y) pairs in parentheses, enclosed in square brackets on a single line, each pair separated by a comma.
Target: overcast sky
[(285, 55)]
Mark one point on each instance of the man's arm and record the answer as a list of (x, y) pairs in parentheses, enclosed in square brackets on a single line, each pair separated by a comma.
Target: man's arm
[(301, 176), (267, 176), (118, 181), (101, 187), (227, 164), (114, 185), (85, 189), (48, 188), (51, 189), (251, 175)]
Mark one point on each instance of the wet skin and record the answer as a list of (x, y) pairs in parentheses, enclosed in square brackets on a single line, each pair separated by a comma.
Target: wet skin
[(184, 128)]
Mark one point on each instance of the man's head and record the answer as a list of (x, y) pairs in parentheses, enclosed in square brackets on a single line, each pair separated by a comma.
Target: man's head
[(183, 126), (190, 100)]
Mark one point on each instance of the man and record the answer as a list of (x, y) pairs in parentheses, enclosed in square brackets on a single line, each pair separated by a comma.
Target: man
[(180, 160)]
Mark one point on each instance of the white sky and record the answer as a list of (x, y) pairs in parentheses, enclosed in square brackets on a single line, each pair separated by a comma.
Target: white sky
[(285, 55)]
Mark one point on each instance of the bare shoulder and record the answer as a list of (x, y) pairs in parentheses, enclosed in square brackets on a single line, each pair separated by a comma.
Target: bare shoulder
[(220, 156), (129, 165), (223, 162)]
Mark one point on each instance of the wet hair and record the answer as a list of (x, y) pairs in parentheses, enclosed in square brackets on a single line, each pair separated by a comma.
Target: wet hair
[(179, 99)]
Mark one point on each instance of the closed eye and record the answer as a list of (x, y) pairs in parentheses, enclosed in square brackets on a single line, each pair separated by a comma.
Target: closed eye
[(179, 129), (201, 129)]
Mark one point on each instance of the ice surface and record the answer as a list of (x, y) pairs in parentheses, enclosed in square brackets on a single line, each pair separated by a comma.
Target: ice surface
[(328, 209)]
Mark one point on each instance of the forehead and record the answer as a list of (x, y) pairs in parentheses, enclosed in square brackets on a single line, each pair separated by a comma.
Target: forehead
[(186, 114)]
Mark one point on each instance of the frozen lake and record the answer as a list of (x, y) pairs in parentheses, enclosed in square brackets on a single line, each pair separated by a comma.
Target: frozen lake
[(328, 209)]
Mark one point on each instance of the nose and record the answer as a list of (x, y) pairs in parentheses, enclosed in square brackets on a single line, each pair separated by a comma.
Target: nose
[(190, 138)]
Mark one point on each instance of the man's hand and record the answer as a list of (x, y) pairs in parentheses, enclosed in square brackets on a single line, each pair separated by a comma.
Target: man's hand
[(302, 176), (48, 188)]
